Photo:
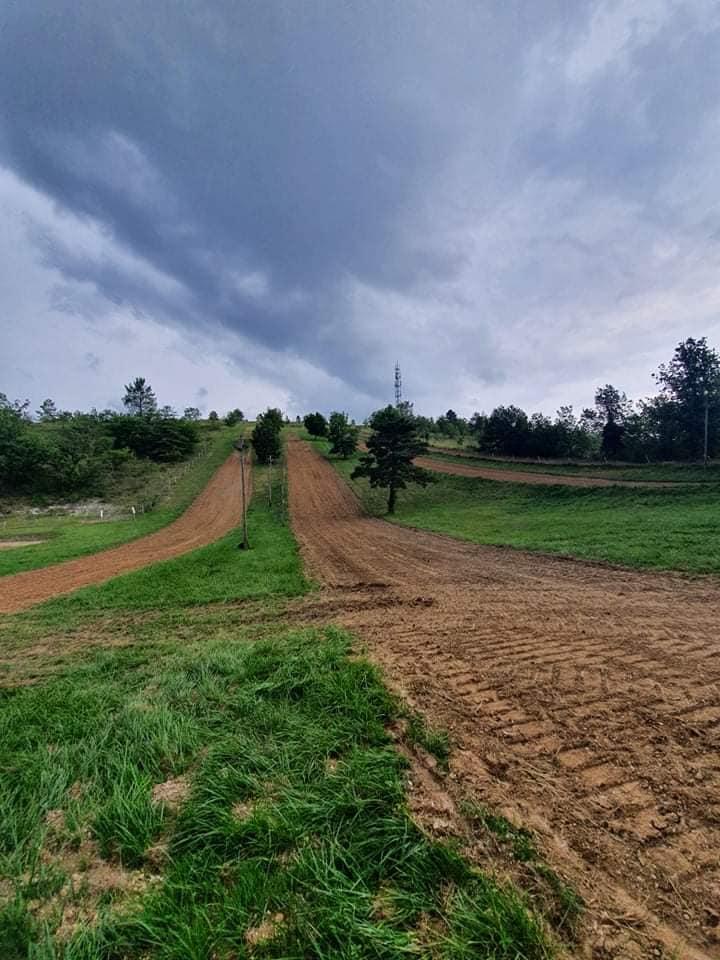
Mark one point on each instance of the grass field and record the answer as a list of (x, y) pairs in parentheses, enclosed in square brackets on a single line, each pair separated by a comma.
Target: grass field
[(69, 536), (184, 775), (676, 529)]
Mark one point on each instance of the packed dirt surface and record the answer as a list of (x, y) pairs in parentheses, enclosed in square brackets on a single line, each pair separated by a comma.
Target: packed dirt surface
[(522, 476), (214, 513), (583, 702), (13, 544)]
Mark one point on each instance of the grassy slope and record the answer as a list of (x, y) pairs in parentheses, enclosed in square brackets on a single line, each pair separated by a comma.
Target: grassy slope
[(73, 537), (288, 835), (676, 529)]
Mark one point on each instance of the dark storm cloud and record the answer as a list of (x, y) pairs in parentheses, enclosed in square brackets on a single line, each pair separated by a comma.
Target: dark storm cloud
[(341, 183)]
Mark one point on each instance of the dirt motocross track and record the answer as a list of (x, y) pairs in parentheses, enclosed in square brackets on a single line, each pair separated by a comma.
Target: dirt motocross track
[(214, 513), (583, 702), (528, 476)]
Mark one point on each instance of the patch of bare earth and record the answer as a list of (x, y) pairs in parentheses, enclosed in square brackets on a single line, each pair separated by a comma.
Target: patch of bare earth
[(264, 931), (88, 880), (583, 702), (13, 544), (212, 514), (172, 793)]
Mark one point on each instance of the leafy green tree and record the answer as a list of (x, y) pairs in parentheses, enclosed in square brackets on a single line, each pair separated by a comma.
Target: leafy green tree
[(18, 407), (191, 413), (613, 408), (139, 398), (393, 445), (316, 424), (233, 417), (166, 413), (274, 416), (47, 411), (689, 382), (265, 437), (343, 435), (506, 432), (153, 438)]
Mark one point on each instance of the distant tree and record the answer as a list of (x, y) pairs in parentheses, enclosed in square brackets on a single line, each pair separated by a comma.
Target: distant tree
[(392, 446), (191, 413), (139, 398), (506, 432), (265, 437), (17, 407), (613, 408), (689, 381), (274, 416), (316, 424), (154, 438), (233, 417), (166, 413), (343, 436), (47, 411)]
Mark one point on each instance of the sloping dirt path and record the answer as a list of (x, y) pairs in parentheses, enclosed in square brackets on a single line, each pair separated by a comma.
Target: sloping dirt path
[(528, 476), (582, 701), (211, 515), (460, 469)]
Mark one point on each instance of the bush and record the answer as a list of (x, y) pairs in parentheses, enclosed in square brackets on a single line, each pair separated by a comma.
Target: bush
[(343, 436), (266, 436), (165, 441), (316, 424)]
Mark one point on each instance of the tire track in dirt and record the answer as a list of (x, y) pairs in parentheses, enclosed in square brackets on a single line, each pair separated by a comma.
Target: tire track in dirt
[(583, 701), (211, 515)]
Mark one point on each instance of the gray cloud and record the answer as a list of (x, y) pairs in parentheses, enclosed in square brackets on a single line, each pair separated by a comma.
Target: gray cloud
[(516, 201)]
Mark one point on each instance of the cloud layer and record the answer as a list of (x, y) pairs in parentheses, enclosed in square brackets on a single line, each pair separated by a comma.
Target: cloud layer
[(270, 203)]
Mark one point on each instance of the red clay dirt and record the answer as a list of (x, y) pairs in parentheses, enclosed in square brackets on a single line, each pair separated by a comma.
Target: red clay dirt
[(582, 701), (460, 469), (528, 476), (212, 514)]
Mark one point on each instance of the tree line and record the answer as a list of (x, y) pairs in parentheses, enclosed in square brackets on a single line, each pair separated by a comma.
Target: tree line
[(76, 453), (682, 422)]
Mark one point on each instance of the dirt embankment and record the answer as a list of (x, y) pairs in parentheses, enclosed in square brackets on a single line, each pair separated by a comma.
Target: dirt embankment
[(582, 701), (460, 469), (528, 476), (214, 513)]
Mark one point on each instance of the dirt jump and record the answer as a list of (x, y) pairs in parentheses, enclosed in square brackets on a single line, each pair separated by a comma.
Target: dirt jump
[(582, 701), (212, 514)]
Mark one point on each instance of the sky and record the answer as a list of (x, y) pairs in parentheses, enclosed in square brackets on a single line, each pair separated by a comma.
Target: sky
[(269, 203)]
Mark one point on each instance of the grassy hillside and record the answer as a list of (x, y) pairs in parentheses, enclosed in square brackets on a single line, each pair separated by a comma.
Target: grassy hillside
[(170, 487), (206, 780), (677, 529)]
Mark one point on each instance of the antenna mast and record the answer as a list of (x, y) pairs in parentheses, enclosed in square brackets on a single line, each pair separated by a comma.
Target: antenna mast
[(398, 385)]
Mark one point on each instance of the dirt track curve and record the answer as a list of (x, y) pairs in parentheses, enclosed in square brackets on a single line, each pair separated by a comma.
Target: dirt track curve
[(528, 476), (583, 701), (212, 514)]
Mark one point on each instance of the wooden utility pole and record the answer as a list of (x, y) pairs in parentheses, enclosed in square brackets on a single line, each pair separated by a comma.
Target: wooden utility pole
[(240, 445)]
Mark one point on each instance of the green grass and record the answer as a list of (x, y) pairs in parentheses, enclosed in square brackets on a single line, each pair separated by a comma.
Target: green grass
[(69, 537), (294, 820), (668, 529)]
